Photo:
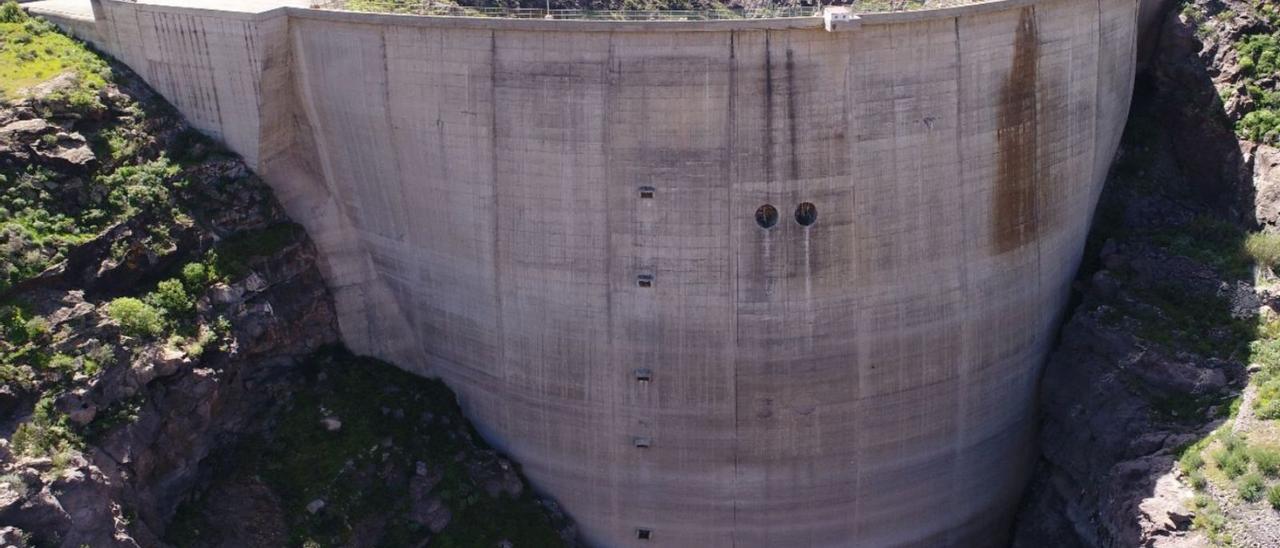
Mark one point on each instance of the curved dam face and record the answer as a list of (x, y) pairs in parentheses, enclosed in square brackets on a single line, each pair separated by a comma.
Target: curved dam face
[(564, 221)]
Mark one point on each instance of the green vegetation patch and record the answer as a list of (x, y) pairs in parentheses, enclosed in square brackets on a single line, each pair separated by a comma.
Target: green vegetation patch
[(23, 339), (1212, 521), (1218, 244), (1266, 459), (136, 317), (169, 310), (47, 434), (1264, 248), (32, 51), (1267, 404), (1259, 58), (233, 256), (390, 420), (1191, 321), (1265, 351), (1232, 458), (1251, 487), (44, 214)]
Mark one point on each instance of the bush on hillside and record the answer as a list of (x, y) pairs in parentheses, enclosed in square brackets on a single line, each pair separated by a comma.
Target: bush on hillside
[(136, 317), (11, 12), (1264, 248)]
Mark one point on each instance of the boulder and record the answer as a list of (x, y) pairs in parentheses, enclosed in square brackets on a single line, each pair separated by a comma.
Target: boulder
[(61, 83), (26, 130), (78, 408), (431, 512), (8, 398), (12, 537), (158, 363), (1266, 183), (76, 156), (70, 151), (223, 294)]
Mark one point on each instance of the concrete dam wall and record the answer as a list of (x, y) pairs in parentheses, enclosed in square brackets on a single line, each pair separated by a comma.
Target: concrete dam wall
[(733, 283)]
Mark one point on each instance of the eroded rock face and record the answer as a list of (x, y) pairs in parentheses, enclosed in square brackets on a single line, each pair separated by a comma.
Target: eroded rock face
[(1114, 418), (149, 410)]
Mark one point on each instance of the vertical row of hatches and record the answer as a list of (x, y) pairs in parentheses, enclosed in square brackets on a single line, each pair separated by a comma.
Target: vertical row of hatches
[(642, 373)]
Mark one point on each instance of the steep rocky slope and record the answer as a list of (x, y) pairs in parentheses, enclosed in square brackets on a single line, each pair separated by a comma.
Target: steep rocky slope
[(168, 373), (1159, 406)]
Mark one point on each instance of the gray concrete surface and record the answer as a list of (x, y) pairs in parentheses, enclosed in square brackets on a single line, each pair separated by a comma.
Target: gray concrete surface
[(475, 188)]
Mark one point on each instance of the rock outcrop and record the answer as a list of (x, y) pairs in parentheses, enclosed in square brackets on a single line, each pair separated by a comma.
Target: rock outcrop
[(128, 418)]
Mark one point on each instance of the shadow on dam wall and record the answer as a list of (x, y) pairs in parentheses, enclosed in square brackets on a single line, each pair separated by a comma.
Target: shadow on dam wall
[(558, 218)]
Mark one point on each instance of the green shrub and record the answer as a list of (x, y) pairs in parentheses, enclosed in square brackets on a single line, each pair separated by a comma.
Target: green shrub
[(1261, 52), (195, 346), (171, 296), (1233, 461), (1197, 480), (1212, 521), (11, 12), (136, 317), (63, 362), (1262, 126), (47, 433), (13, 324), (1267, 460), (1273, 496), (195, 276), (141, 187), (1251, 486), (1247, 65), (1201, 500), (1267, 404), (98, 358), (36, 328), (1191, 460), (1264, 248)]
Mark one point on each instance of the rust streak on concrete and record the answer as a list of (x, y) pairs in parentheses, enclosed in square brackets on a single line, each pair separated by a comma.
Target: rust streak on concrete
[(1015, 197)]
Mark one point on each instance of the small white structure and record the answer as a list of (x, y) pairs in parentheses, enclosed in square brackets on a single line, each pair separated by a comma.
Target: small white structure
[(840, 18)]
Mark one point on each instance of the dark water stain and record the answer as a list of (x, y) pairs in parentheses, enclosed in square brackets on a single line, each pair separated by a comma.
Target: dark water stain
[(768, 109), (791, 114), (1015, 196)]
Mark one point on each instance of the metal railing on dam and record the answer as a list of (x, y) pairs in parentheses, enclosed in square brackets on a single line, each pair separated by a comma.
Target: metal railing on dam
[(753, 282), (430, 8), (450, 9)]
